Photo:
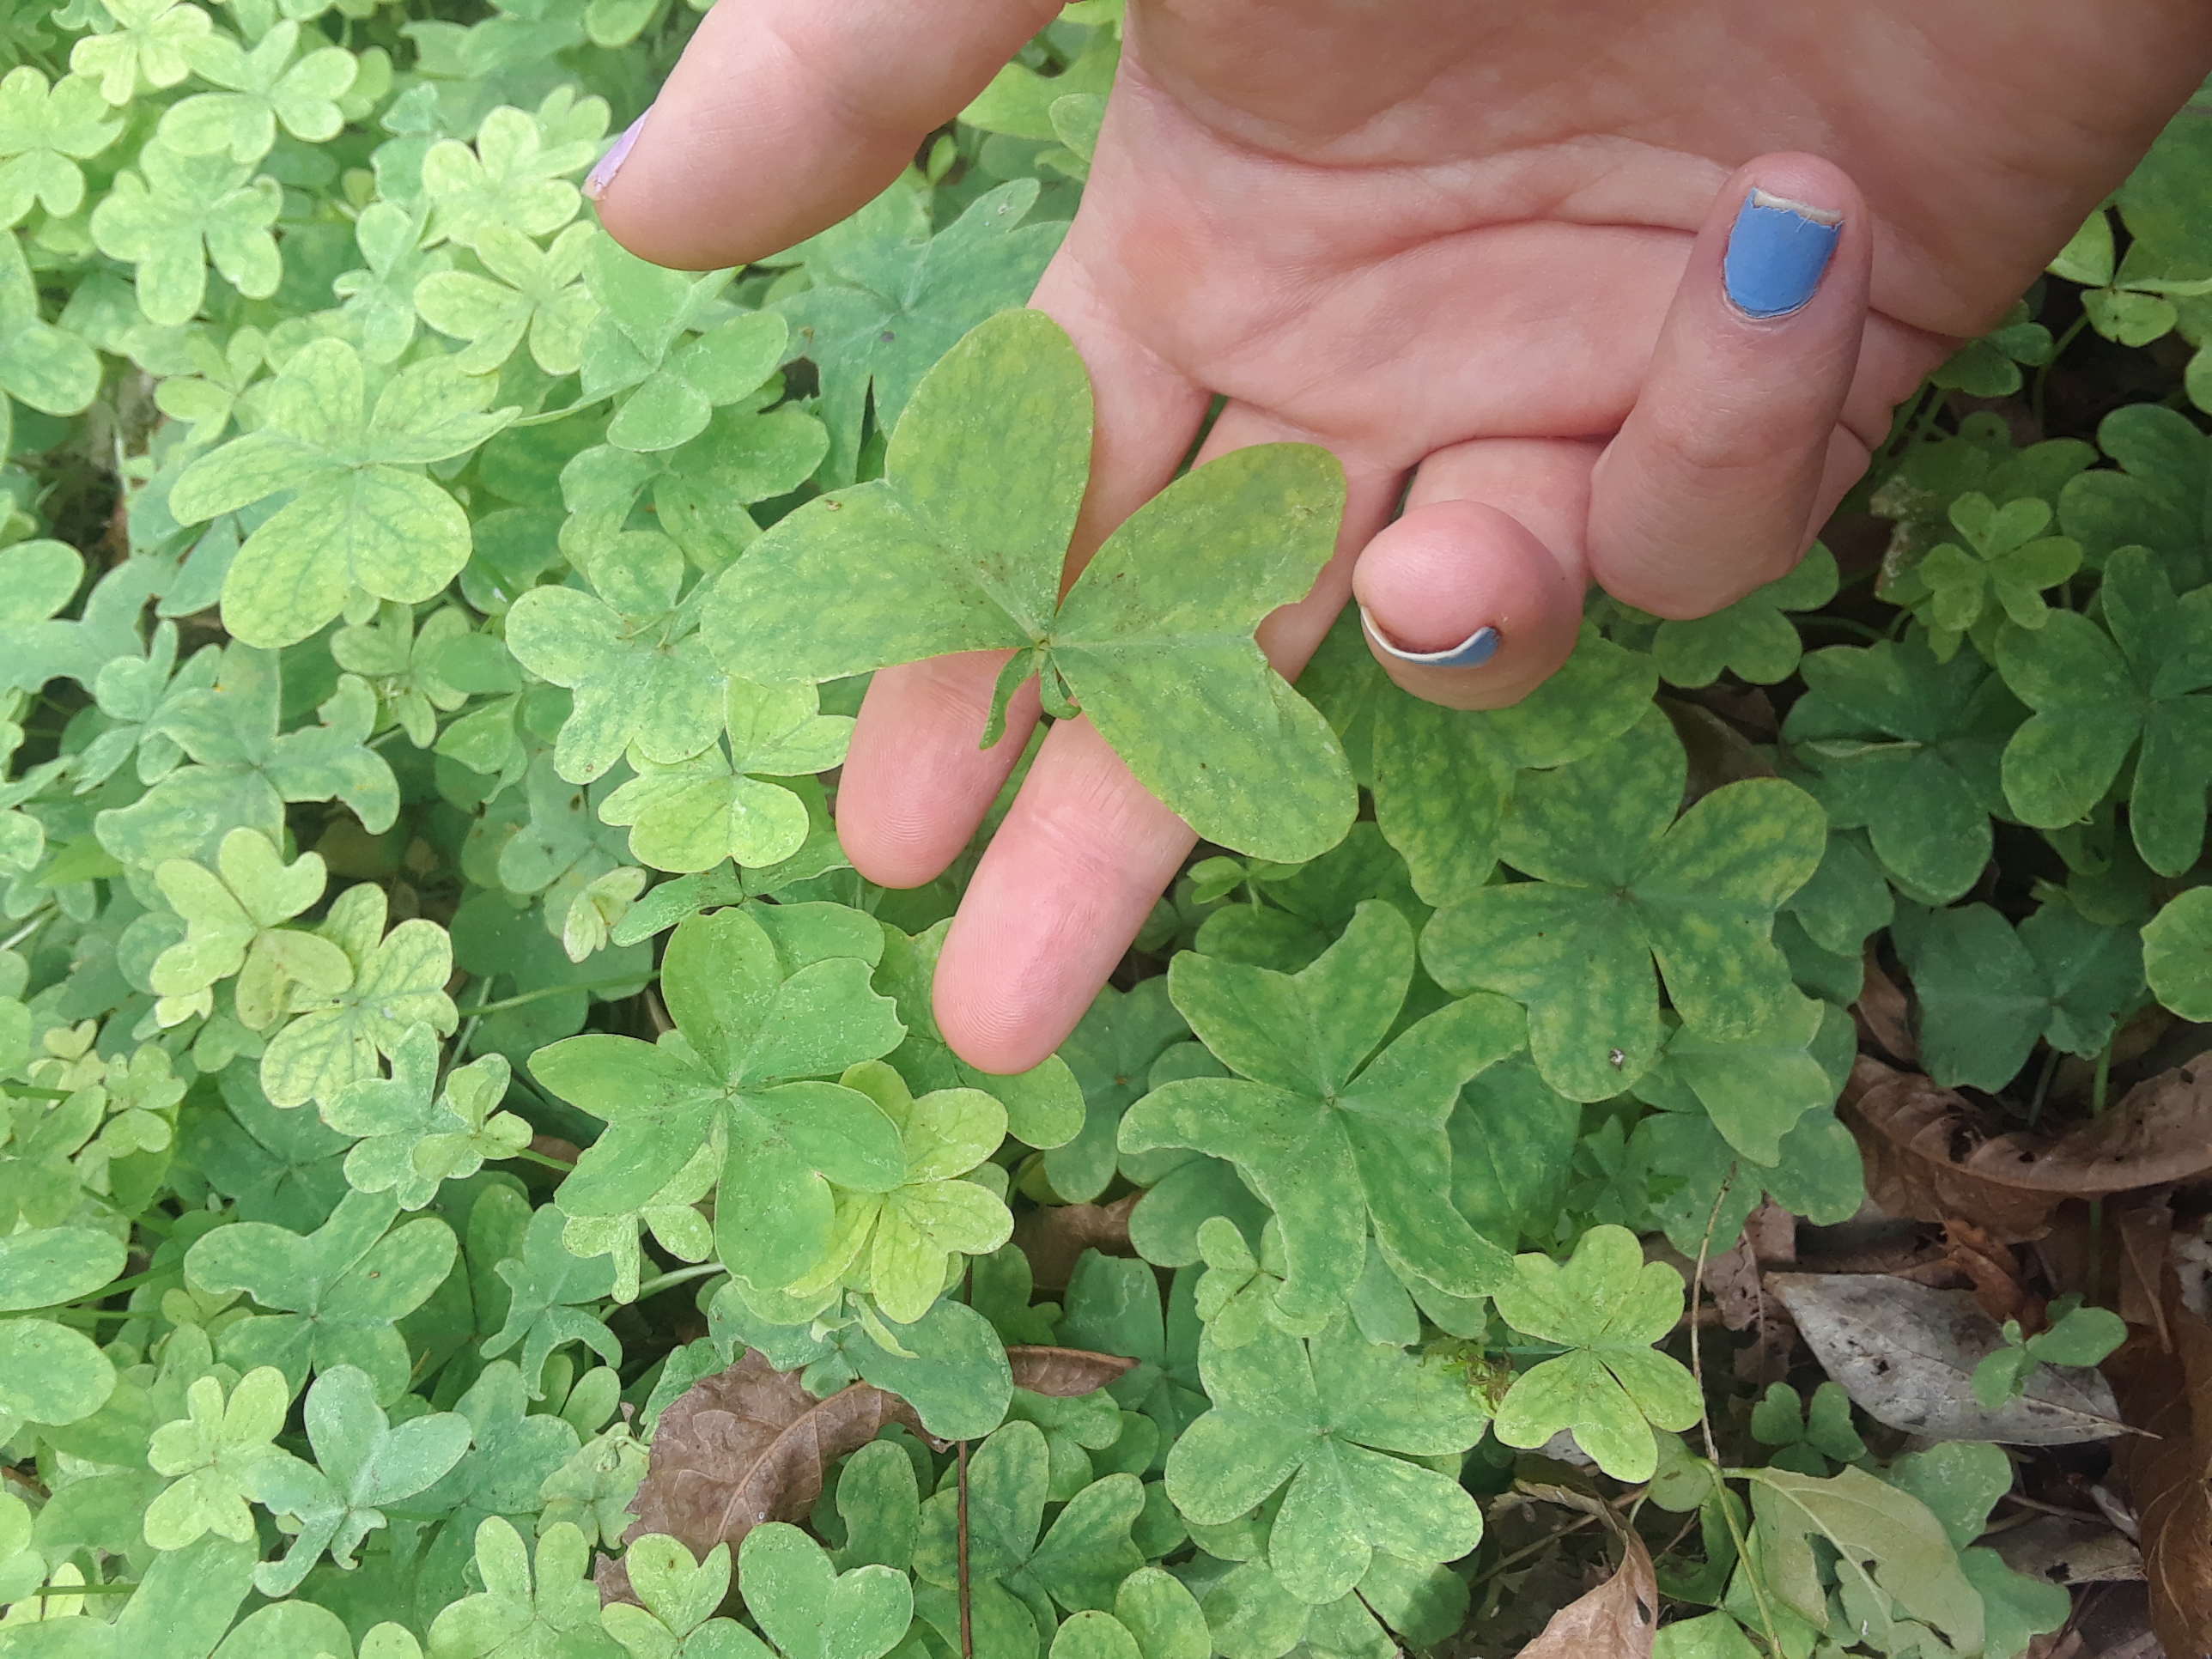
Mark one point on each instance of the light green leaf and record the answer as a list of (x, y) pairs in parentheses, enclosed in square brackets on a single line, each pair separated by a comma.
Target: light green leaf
[(2178, 954)]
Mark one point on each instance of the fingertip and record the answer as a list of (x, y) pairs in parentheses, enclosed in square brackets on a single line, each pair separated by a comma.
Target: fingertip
[(1464, 606)]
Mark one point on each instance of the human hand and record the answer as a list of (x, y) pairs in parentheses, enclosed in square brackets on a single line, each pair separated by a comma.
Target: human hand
[(1473, 247)]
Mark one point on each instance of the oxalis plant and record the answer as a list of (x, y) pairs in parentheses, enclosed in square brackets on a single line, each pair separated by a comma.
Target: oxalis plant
[(480, 1174)]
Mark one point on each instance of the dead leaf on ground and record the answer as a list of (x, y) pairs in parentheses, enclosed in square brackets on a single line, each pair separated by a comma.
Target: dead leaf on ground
[(1053, 1238), (1065, 1372), (1882, 1013), (743, 1446), (2146, 1237), (1932, 1154), (1994, 1272), (1620, 1619), (2169, 1476), (2069, 1550), (1906, 1354)]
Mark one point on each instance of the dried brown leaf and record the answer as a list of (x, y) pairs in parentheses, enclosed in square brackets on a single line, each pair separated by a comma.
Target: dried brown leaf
[(1619, 1619), (2146, 1232), (1993, 1271), (1065, 1371), (1882, 1014), (2168, 1470), (743, 1446), (1930, 1153), (1053, 1238)]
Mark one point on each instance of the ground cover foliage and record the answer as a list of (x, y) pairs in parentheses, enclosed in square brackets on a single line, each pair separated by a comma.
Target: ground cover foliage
[(480, 1175)]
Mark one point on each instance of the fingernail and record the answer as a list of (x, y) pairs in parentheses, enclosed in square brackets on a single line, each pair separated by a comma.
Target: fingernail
[(1476, 649), (596, 182), (1777, 254)]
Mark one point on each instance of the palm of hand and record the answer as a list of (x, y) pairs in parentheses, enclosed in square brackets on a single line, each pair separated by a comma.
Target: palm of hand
[(1463, 244)]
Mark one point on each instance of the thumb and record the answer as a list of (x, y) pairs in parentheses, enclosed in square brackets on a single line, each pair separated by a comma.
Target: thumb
[(785, 116), (1716, 481)]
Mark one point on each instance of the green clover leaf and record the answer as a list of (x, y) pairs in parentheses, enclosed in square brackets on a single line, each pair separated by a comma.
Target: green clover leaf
[(221, 1456), (691, 815), (1606, 1305), (552, 1612), (593, 1490), (243, 771), (152, 48), (412, 1136), (1620, 880), (637, 344), (2146, 675), (1752, 638), (398, 981), (1015, 1575), (338, 1293), (1987, 993), (43, 133), (548, 1290), (2004, 566), (1902, 745), (263, 87), (940, 555), (1237, 1294), (671, 1214), (1154, 1617), (52, 1265), (50, 1373), (2177, 946), (233, 920), (887, 300), (898, 1244), (1336, 1138), (628, 651), (1114, 1306), (516, 176), (208, 400), (753, 1028), (361, 515), (679, 1596), (380, 294), (812, 1611), (1808, 1435), (2161, 497), (176, 213), (1754, 1088), (47, 367), (1336, 1417), (363, 1463), (530, 293), (1111, 1053), (513, 1452), (408, 669)]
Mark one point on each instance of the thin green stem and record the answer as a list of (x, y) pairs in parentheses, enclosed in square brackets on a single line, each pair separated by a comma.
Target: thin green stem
[(2043, 1086), (660, 1282), (39, 918), (540, 994), (529, 1155), (86, 1589), (2057, 350), (30, 1093)]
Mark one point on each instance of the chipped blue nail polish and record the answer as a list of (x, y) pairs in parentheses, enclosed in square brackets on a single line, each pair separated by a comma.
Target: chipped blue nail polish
[(596, 182), (1777, 254), (1476, 649)]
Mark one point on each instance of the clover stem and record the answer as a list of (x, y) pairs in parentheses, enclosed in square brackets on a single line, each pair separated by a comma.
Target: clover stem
[(39, 918), (641, 981), (1697, 1284), (967, 1624), (529, 1155), (660, 1282)]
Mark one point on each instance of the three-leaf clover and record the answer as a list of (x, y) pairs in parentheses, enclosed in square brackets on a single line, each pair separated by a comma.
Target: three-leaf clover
[(1902, 745), (546, 1610), (887, 298), (529, 291), (398, 981), (1337, 1417), (515, 176), (627, 649), (221, 1455), (1014, 1574), (152, 47), (2158, 498), (233, 914), (2001, 573), (45, 131), (960, 547), (689, 815), (898, 1243), (671, 1214), (754, 1032), (362, 1462), (1337, 1138), (262, 87), (1751, 638), (176, 213), (2074, 1336), (338, 1294), (2145, 676), (548, 1290), (679, 1596), (379, 293), (636, 343), (415, 1136), (1606, 1306), (1620, 881), (361, 515), (1807, 1435)]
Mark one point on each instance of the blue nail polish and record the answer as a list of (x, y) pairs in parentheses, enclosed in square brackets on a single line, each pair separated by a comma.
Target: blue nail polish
[(1777, 254), (1476, 649)]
